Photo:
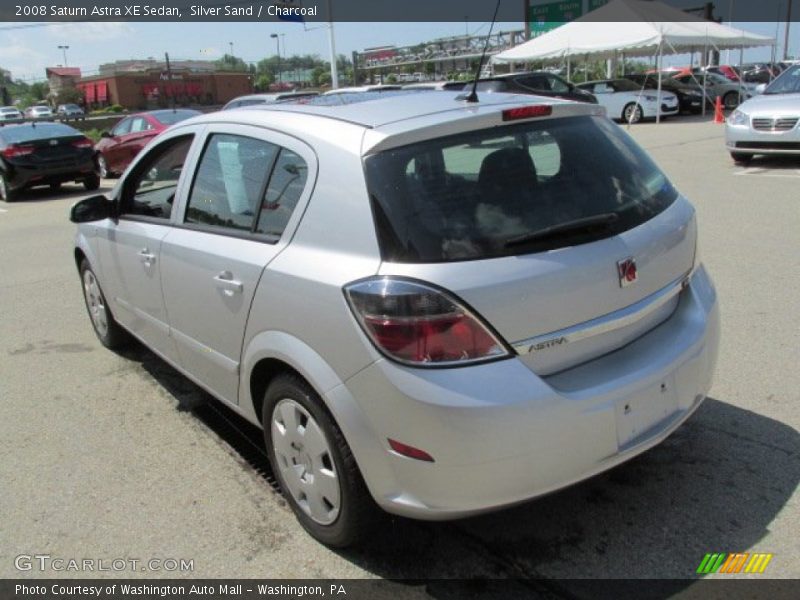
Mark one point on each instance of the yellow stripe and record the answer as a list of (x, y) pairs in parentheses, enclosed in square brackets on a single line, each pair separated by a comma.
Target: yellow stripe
[(753, 564), (766, 562)]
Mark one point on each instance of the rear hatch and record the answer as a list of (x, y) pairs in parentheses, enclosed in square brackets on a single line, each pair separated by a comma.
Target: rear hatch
[(561, 233)]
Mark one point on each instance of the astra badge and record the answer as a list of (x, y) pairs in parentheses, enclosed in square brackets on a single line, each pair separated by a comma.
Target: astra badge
[(626, 269)]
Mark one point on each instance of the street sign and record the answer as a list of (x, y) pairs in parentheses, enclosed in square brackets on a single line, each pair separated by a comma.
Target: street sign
[(545, 17)]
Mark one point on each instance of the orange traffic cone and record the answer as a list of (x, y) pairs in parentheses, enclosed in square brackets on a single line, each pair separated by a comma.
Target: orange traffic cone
[(719, 117)]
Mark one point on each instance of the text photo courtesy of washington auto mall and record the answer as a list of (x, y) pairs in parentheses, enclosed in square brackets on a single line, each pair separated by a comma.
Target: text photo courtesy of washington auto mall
[(451, 299)]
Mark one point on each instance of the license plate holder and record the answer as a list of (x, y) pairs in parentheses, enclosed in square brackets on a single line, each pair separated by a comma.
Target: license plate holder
[(644, 409)]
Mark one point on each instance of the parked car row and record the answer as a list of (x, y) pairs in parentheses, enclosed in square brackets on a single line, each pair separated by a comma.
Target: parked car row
[(41, 112), (631, 98)]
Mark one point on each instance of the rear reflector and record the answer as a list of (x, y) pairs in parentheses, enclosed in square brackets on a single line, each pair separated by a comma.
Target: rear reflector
[(527, 112), (409, 451)]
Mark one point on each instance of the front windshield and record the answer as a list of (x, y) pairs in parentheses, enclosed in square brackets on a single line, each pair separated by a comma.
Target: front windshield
[(787, 83)]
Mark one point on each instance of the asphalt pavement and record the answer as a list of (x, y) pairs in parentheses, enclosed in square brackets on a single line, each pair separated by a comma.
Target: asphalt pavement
[(108, 456)]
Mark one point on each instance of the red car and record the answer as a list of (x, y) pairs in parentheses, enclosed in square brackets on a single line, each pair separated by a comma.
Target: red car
[(118, 147)]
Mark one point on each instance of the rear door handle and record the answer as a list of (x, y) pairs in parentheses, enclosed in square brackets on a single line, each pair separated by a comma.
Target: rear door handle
[(228, 284), (147, 257)]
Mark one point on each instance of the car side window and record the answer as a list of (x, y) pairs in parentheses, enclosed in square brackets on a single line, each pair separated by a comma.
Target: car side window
[(285, 187), (230, 181), (151, 190), (139, 124), (557, 85), (534, 82), (122, 127)]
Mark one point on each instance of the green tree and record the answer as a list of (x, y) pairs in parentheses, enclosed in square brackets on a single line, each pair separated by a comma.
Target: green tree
[(263, 81), (231, 63)]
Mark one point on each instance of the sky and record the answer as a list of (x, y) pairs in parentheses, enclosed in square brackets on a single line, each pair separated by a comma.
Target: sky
[(26, 52)]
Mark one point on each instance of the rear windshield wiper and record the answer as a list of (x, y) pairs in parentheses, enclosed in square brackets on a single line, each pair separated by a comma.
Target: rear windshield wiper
[(577, 225)]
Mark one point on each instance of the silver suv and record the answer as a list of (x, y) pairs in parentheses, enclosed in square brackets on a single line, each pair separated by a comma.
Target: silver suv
[(431, 306)]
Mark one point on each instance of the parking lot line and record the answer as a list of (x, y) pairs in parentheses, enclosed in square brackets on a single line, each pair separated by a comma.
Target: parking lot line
[(3, 210)]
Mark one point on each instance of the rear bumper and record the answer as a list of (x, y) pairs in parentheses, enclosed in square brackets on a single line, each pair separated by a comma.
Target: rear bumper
[(500, 434), (19, 176)]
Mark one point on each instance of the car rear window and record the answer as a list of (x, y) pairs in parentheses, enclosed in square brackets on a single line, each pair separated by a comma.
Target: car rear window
[(19, 134), (484, 193)]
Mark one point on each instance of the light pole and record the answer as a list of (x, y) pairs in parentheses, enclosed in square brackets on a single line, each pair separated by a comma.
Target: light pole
[(231, 45), (64, 51), (786, 33), (278, 41)]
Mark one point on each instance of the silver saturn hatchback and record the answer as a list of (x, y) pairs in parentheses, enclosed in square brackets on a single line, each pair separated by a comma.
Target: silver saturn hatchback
[(430, 306)]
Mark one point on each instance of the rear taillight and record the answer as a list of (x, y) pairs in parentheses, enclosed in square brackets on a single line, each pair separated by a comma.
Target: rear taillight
[(83, 143), (420, 325), (13, 151)]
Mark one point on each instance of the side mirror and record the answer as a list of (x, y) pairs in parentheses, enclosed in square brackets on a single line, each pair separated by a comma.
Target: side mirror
[(106, 134), (94, 208), (760, 88)]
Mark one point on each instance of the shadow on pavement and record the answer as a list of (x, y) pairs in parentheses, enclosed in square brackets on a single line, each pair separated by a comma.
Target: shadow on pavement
[(713, 486), (764, 161), (67, 190)]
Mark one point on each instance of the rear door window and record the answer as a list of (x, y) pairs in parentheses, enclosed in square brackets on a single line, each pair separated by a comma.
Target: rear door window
[(286, 185), (230, 182), (492, 192)]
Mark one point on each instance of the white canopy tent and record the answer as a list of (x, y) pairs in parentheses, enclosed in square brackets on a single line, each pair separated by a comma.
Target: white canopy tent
[(635, 28)]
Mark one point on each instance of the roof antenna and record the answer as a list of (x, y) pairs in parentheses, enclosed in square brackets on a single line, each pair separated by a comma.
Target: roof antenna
[(473, 96)]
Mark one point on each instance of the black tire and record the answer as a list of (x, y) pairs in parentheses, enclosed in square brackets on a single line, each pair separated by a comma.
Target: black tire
[(113, 337), (6, 193), (730, 100), (358, 512), (741, 158), (91, 183), (102, 167), (632, 113)]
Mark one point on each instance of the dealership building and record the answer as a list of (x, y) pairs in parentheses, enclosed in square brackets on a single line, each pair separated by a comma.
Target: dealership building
[(152, 85)]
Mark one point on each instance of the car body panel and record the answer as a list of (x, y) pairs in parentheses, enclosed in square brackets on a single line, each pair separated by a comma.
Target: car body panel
[(540, 83), (129, 136), (615, 101)]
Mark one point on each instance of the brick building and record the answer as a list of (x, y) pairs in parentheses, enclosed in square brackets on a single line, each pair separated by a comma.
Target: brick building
[(155, 88)]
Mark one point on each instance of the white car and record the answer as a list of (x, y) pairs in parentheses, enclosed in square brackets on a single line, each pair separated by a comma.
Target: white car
[(38, 112), (364, 88), (9, 113), (768, 123), (629, 102)]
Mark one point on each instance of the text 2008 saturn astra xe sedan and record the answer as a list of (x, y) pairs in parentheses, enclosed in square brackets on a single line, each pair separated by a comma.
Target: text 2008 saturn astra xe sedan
[(433, 306)]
